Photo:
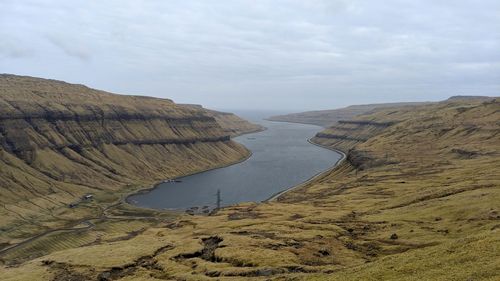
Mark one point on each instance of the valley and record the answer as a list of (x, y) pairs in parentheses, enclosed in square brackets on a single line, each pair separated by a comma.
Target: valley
[(416, 198), (249, 140), (281, 158)]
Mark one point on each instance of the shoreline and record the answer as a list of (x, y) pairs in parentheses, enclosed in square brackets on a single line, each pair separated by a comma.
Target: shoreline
[(275, 196), (271, 198), (125, 199)]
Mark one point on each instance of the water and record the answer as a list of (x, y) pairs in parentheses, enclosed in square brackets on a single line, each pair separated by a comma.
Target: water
[(282, 158)]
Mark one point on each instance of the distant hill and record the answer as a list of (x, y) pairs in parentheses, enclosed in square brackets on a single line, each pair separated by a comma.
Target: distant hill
[(465, 98), (326, 118)]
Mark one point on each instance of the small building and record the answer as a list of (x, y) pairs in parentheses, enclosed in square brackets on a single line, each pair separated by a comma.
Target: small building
[(88, 197)]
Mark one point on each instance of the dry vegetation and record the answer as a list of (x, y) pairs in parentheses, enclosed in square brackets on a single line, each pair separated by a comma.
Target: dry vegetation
[(416, 200)]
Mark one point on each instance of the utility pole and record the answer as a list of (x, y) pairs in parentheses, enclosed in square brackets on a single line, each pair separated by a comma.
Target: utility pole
[(218, 199)]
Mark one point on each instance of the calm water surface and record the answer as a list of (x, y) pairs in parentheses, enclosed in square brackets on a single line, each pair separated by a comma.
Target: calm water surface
[(281, 158)]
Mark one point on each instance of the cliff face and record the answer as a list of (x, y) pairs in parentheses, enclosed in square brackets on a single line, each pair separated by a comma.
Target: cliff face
[(59, 141), (231, 123), (347, 133)]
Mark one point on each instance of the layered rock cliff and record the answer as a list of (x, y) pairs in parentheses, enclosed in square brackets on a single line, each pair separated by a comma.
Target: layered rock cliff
[(231, 123), (59, 141)]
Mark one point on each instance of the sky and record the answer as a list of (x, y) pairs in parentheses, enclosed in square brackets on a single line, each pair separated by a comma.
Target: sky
[(259, 54)]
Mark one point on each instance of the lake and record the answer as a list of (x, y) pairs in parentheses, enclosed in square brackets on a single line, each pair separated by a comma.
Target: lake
[(281, 158)]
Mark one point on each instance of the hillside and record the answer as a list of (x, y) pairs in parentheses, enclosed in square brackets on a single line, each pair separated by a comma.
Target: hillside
[(417, 198), (326, 118), (59, 141)]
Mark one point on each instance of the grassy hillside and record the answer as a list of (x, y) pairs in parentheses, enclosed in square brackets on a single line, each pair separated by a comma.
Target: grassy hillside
[(59, 141), (417, 199)]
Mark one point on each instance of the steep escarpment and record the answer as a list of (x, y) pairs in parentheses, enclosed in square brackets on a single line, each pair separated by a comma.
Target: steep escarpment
[(347, 133), (235, 125), (231, 123), (59, 141), (418, 198)]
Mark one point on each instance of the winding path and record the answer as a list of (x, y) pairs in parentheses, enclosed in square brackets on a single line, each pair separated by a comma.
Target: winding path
[(87, 222)]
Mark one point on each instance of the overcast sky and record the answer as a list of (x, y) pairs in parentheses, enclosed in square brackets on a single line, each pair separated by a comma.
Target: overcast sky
[(246, 54)]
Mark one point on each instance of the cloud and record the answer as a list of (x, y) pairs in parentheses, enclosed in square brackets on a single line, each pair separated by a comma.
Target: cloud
[(70, 46), (221, 52), (11, 49)]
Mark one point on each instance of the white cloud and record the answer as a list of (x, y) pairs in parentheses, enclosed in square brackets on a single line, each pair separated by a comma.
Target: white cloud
[(11, 48), (71, 47)]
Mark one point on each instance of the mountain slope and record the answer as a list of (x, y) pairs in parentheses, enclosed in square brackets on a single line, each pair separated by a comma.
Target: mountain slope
[(59, 141)]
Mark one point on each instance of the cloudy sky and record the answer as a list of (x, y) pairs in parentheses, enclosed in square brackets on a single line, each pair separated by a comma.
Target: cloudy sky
[(245, 54)]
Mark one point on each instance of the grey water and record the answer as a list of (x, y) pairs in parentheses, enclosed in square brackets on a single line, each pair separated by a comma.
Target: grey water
[(281, 158)]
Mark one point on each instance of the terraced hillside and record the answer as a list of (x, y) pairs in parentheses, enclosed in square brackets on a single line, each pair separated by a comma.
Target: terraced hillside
[(60, 141), (417, 199)]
